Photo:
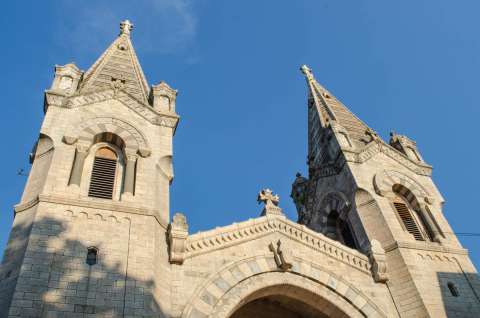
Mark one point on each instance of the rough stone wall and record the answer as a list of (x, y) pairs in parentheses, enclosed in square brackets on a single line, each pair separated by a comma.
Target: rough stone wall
[(56, 281), (48, 247), (417, 283), (13, 257)]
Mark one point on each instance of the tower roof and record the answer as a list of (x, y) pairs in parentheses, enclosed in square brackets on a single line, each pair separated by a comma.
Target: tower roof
[(330, 109), (118, 64)]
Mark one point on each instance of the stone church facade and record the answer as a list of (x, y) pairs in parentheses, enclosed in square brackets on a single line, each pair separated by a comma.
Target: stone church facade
[(93, 235)]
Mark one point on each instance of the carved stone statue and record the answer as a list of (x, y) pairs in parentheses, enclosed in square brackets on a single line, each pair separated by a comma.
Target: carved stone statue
[(298, 194)]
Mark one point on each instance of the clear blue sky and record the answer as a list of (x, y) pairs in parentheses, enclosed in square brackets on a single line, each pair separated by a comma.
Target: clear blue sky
[(408, 66)]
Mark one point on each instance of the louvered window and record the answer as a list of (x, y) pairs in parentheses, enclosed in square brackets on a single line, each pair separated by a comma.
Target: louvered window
[(104, 170), (408, 220)]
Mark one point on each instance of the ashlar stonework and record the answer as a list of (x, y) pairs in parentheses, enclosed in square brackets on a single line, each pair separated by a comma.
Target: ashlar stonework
[(93, 236)]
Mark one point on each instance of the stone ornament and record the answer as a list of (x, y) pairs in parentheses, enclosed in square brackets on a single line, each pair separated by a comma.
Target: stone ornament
[(271, 202), (177, 235), (278, 256), (299, 196), (378, 261)]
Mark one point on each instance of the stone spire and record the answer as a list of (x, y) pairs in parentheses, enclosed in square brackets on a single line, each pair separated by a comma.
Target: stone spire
[(118, 68), (330, 109)]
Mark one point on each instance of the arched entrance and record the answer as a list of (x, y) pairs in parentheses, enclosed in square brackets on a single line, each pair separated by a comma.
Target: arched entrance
[(306, 290), (287, 302)]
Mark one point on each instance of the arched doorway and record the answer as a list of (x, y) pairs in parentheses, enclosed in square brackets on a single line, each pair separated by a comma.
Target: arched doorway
[(287, 302), (307, 290)]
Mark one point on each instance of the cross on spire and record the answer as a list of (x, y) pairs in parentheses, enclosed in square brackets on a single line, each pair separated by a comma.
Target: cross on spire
[(266, 196), (271, 202), (307, 71), (125, 27)]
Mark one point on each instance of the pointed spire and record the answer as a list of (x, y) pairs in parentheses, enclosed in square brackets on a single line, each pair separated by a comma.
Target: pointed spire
[(330, 109), (118, 68)]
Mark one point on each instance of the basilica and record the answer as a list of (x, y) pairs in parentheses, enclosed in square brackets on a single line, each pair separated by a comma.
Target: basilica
[(93, 235)]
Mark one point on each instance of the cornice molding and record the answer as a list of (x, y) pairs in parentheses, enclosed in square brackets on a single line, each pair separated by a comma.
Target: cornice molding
[(238, 233), (426, 246), (125, 207), (146, 111), (373, 148)]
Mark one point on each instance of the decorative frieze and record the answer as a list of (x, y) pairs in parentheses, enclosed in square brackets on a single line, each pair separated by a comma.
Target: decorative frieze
[(235, 234)]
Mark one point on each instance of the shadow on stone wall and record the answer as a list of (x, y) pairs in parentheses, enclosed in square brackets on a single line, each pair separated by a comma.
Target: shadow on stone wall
[(56, 281), (460, 294)]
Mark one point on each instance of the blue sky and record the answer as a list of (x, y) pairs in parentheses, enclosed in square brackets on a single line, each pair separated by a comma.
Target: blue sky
[(408, 66)]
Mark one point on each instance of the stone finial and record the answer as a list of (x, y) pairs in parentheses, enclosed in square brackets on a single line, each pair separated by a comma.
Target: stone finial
[(126, 27), (378, 262), (307, 71), (271, 202), (177, 235)]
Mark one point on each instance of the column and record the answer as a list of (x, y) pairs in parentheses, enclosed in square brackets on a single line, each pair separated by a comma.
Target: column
[(129, 184), (81, 153), (430, 224)]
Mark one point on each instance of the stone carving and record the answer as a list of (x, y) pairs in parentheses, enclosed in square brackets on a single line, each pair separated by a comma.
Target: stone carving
[(299, 196), (278, 256), (146, 111), (177, 235), (271, 202), (371, 136), (117, 84), (378, 261)]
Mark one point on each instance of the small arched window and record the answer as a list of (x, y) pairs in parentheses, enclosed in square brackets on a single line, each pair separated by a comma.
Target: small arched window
[(102, 181), (92, 256), (453, 289), (405, 214)]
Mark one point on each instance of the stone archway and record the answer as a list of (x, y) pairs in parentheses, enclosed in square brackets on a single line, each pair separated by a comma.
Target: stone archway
[(299, 295), (253, 282), (285, 301)]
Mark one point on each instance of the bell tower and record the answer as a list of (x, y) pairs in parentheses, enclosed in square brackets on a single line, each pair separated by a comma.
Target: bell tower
[(89, 232), (380, 199)]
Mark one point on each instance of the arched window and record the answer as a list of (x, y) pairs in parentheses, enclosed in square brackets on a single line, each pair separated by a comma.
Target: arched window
[(408, 217), (92, 256), (104, 170), (453, 289)]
